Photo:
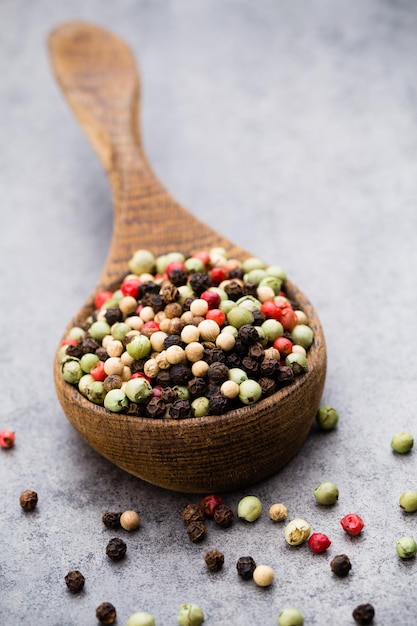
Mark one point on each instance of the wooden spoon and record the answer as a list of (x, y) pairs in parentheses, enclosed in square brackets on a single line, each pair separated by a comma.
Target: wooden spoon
[(97, 74)]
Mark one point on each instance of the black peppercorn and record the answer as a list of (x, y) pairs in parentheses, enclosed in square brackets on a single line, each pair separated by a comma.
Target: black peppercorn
[(250, 289), (163, 379), (180, 374), (251, 366), (168, 395), (169, 293), (88, 344), (197, 387), (178, 277), (214, 355), (248, 334), (217, 373), (234, 290), (148, 287), (180, 409), (268, 386), (284, 375), (113, 315), (106, 613), (156, 408), (111, 519), (28, 499), (269, 367), (364, 614), (258, 317), (256, 352), (218, 405), (214, 560), (75, 581), (192, 513), (233, 360), (75, 351), (341, 565), (196, 531), (116, 549), (172, 340), (199, 282), (102, 353), (223, 515), (245, 567)]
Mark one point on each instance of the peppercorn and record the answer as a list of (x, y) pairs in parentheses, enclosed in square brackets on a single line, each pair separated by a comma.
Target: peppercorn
[(318, 542), (363, 614), (106, 613), (197, 387), (156, 408), (214, 560), (326, 493), (192, 513), (341, 565), (7, 439), (141, 618), (268, 386), (209, 503), (190, 615), (245, 567), (408, 501), (263, 575), (352, 524), (196, 531), (290, 617), (223, 516), (111, 519), (297, 531), (199, 282), (402, 442), (284, 375), (130, 520), (327, 417), (28, 499), (406, 547), (116, 549), (180, 409), (180, 374), (249, 508), (248, 334), (278, 512), (75, 581), (113, 315), (217, 373)]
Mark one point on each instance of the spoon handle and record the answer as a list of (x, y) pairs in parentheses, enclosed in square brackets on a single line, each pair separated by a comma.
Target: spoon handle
[(97, 74)]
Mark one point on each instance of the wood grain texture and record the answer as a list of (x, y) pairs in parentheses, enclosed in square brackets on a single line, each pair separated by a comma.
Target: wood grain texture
[(97, 74)]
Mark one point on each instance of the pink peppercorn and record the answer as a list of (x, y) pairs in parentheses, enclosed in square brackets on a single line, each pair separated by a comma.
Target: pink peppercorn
[(101, 298), (209, 503), (130, 287), (217, 315), (318, 542), (352, 524), (212, 298), (7, 438), (97, 372)]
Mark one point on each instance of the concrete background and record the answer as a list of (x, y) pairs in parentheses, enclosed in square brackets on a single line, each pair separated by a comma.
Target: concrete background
[(291, 127)]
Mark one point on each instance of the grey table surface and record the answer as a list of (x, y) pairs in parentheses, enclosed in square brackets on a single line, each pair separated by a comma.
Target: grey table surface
[(291, 127)]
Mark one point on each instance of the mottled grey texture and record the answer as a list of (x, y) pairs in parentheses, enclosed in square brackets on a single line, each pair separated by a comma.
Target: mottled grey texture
[(292, 128)]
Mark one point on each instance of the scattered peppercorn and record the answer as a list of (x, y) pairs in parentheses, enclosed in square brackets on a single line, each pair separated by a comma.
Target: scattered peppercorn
[(263, 575), (364, 614), (223, 515), (402, 442), (341, 565), (406, 547), (192, 513), (290, 617), (352, 524), (214, 560), (7, 439), (190, 615), (326, 493), (130, 520), (75, 581), (106, 613), (245, 567), (111, 519), (28, 499), (249, 508), (408, 501), (278, 512), (196, 531), (209, 503), (318, 542), (297, 531), (141, 618), (116, 549), (327, 417)]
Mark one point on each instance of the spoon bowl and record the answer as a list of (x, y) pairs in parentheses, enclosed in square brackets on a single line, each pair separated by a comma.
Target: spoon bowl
[(97, 74)]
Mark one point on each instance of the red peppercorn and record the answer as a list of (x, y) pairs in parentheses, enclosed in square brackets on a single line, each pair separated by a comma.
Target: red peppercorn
[(289, 318), (218, 275), (149, 328), (203, 255), (318, 542), (101, 298), (209, 503), (175, 265), (130, 287), (7, 438), (217, 315), (97, 372), (157, 391), (284, 346), (352, 524), (212, 298), (69, 342), (270, 310), (141, 375)]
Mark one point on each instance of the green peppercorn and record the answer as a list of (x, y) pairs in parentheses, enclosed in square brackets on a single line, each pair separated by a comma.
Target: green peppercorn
[(142, 262), (84, 383), (408, 501), (141, 618), (239, 316), (249, 508), (96, 392), (250, 391), (406, 547), (298, 363), (290, 617), (139, 347), (326, 493), (297, 531), (200, 406), (116, 400), (138, 390), (302, 335), (327, 417), (71, 370), (402, 442), (98, 330), (190, 615)]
